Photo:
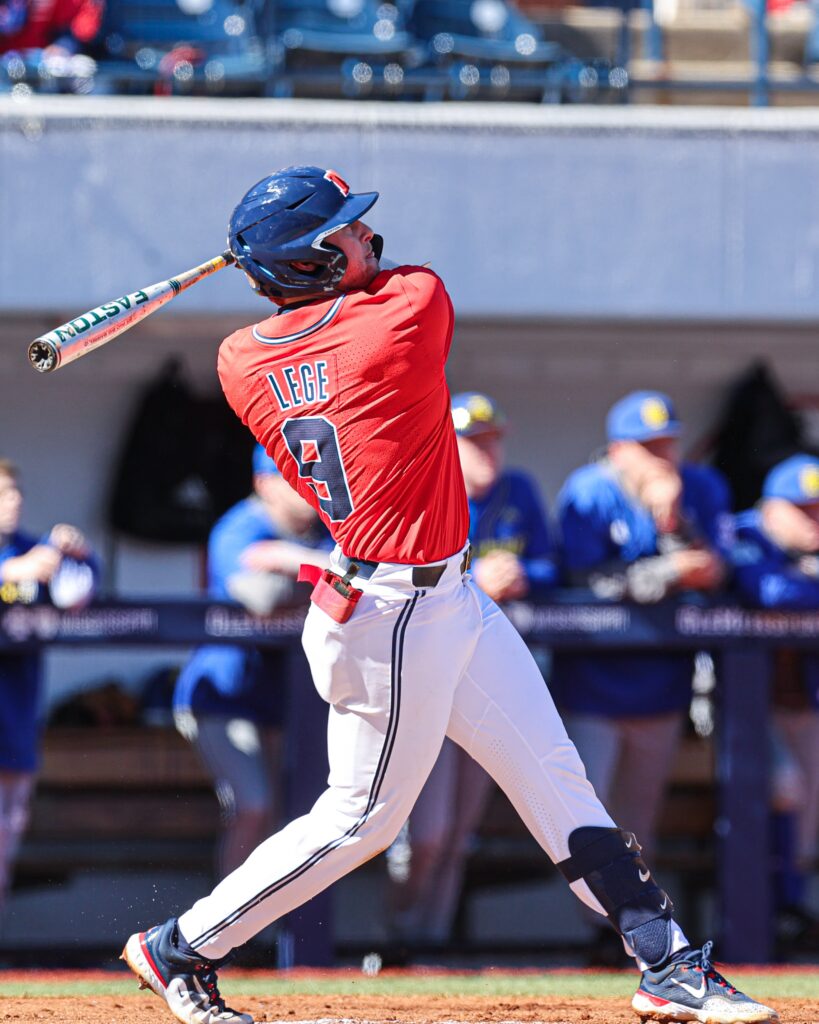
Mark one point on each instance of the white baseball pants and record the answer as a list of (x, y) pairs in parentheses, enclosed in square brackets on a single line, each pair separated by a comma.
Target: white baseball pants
[(410, 667)]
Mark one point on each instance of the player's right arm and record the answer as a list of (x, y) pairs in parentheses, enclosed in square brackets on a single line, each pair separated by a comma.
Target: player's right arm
[(38, 563), (768, 579), (593, 543)]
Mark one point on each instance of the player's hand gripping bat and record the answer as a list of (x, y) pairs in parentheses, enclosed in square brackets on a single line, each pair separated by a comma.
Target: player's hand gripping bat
[(98, 326)]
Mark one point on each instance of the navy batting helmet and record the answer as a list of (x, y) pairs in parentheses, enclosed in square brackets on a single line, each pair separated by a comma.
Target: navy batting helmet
[(286, 217)]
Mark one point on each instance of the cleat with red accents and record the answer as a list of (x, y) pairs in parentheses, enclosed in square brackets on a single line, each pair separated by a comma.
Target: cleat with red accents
[(165, 964), (688, 988)]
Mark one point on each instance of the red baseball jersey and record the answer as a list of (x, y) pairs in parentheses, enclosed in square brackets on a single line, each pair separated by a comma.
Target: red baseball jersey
[(348, 396)]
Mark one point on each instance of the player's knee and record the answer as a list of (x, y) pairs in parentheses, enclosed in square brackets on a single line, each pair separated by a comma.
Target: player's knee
[(608, 860)]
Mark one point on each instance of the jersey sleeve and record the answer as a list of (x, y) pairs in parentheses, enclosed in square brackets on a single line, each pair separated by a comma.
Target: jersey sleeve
[(430, 306), (768, 581), (228, 539), (584, 530), (713, 499)]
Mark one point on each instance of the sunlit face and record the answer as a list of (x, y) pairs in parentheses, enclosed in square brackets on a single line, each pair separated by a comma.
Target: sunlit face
[(793, 527), (637, 460), (355, 240), (11, 504), (666, 449), (481, 461)]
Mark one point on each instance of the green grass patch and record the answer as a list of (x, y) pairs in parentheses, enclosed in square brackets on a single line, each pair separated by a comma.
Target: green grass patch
[(777, 984)]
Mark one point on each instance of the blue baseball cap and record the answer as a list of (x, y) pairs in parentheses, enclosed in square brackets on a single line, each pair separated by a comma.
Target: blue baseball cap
[(796, 480), (262, 463), (474, 413), (642, 416)]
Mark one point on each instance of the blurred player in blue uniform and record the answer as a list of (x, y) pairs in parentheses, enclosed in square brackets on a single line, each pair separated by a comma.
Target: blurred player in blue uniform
[(776, 562), (59, 568), (230, 701), (512, 558), (636, 525)]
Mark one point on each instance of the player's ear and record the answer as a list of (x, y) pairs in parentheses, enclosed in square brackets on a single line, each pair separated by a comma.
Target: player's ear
[(304, 267)]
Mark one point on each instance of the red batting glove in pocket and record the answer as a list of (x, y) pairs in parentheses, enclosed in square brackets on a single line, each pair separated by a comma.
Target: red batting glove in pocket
[(330, 593)]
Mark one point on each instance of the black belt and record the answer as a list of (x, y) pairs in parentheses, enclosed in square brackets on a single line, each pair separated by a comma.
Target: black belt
[(423, 576)]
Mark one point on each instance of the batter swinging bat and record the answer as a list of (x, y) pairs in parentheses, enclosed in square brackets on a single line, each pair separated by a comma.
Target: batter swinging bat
[(98, 326)]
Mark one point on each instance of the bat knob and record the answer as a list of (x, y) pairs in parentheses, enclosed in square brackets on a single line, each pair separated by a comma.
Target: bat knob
[(43, 355)]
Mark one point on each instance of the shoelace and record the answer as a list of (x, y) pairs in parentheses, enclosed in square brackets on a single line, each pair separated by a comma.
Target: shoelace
[(707, 968), (206, 973)]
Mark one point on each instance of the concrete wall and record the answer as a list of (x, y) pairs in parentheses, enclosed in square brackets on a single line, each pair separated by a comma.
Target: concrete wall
[(527, 211)]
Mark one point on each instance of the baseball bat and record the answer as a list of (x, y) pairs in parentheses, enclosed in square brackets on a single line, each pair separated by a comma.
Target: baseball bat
[(100, 325)]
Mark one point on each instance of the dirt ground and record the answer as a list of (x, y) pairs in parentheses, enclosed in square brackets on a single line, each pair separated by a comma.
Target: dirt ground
[(331, 1009)]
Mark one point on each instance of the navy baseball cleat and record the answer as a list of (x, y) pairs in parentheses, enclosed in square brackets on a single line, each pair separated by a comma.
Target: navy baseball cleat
[(689, 989), (164, 963)]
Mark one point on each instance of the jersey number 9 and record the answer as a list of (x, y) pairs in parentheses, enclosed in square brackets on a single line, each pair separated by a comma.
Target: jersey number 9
[(313, 443)]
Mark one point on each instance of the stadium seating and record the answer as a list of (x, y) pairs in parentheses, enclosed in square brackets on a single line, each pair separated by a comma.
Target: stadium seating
[(408, 49), (347, 47), (490, 50), (183, 46)]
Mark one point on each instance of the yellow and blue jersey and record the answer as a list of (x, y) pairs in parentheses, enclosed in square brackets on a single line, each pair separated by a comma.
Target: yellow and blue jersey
[(20, 673), (223, 679), (605, 530), (511, 517), (767, 576)]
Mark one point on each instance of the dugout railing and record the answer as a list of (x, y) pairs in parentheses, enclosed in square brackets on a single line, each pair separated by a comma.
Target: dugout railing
[(740, 640)]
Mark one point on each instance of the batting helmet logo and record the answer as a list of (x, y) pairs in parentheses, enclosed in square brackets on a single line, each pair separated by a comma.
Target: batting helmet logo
[(338, 181)]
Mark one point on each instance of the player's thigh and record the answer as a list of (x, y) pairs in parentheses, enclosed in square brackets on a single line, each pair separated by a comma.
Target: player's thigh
[(504, 716), (502, 690), (423, 635), (391, 688)]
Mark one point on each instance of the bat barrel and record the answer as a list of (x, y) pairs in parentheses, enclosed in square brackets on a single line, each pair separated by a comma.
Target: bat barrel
[(84, 333)]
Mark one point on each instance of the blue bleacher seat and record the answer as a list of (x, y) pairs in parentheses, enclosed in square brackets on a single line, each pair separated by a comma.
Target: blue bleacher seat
[(208, 46), (479, 30), (347, 47)]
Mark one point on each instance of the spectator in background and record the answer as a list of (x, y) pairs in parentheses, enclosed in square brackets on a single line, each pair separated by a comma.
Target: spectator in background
[(59, 567), (512, 558), (229, 701), (637, 525), (776, 562), (56, 34)]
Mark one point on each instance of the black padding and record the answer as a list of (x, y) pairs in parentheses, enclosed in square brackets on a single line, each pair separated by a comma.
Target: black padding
[(590, 847), (609, 862)]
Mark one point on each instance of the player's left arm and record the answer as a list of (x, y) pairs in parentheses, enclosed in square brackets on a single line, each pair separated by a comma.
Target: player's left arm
[(430, 307)]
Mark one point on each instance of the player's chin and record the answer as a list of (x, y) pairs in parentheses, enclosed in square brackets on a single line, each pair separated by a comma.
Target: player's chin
[(363, 278)]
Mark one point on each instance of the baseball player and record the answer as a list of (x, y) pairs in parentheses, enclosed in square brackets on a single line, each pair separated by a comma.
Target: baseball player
[(642, 524), (512, 557), (344, 386), (229, 701), (638, 523), (776, 561), (59, 567)]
